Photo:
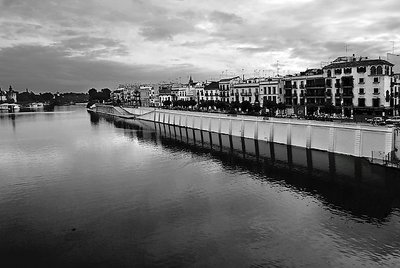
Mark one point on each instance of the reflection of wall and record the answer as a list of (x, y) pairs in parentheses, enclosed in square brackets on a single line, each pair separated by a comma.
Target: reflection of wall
[(342, 181)]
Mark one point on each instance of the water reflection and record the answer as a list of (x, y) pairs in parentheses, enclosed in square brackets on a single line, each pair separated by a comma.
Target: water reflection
[(343, 183)]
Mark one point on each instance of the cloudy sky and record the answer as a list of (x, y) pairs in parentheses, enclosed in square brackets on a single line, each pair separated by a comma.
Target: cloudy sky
[(70, 45)]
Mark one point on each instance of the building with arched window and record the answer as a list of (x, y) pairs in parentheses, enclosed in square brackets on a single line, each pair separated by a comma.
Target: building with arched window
[(361, 85)]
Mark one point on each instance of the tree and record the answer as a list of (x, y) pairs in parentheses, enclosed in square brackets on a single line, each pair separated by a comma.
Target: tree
[(105, 94), (47, 97), (246, 106), (271, 106), (256, 107), (192, 103), (92, 94), (281, 106), (167, 103)]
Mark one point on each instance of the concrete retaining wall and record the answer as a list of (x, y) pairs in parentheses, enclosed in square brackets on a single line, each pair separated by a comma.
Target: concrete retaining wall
[(348, 139)]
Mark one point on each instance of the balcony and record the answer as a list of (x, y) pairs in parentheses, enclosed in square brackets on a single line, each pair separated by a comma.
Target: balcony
[(315, 86), (245, 94), (348, 95), (315, 96), (347, 85), (375, 93)]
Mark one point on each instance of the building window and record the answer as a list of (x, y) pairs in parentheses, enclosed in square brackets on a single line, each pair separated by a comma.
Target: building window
[(361, 69), (280, 91), (338, 71), (376, 90), (361, 80), (337, 84), (329, 82), (265, 90), (379, 70), (347, 70), (269, 90), (249, 99), (294, 85), (373, 70), (376, 80), (375, 102), (361, 91), (329, 73), (361, 102), (274, 90)]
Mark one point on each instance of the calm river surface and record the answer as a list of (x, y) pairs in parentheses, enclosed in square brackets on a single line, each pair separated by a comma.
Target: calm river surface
[(81, 191)]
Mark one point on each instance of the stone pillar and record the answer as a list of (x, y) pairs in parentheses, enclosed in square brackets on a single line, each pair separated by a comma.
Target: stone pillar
[(389, 144), (308, 136), (357, 141), (271, 133), (256, 130), (331, 147), (289, 134)]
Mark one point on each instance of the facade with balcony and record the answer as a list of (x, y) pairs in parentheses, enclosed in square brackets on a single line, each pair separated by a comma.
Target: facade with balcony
[(164, 93), (211, 91), (304, 89), (361, 85), (271, 89), (225, 86), (246, 90)]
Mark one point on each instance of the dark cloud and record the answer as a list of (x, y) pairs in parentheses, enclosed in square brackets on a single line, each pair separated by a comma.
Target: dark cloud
[(94, 46), (164, 29), (225, 18), (52, 69)]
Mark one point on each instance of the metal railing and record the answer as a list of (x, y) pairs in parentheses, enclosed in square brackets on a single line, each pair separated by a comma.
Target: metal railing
[(389, 159)]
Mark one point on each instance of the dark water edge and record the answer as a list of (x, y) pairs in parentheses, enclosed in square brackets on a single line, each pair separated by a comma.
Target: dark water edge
[(99, 191), (370, 192)]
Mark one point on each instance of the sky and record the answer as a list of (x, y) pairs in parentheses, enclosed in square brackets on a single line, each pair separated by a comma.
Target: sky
[(72, 46)]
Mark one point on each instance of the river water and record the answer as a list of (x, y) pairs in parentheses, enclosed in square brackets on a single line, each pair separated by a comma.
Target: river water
[(85, 191)]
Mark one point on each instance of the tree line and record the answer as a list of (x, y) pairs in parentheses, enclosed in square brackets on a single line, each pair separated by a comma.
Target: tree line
[(247, 107)]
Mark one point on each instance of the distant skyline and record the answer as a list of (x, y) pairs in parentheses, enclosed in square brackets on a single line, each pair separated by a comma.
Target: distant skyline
[(76, 45)]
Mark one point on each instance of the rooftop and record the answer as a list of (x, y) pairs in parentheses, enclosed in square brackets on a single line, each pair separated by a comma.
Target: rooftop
[(357, 63), (228, 79)]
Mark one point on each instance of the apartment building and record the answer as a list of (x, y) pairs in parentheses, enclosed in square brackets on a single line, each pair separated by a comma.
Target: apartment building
[(304, 88), (245, 90), (270, 89), (225, 85), (361, 85), (211, 91)]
